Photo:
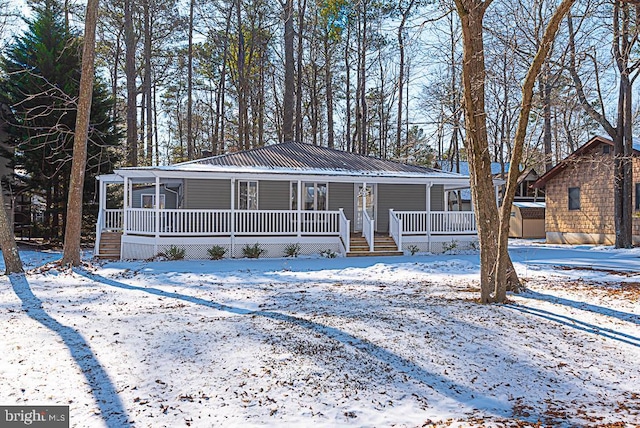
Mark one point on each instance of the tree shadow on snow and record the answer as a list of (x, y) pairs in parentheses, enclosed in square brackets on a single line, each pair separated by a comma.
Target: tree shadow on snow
[(103, 390), (577, 324), (444, 386), (622, 316)]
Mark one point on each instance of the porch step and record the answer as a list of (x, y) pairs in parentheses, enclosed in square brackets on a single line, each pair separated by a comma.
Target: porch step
[(382, 246), (110, 245)]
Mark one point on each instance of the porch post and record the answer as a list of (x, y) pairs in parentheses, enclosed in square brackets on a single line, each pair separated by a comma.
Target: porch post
[(364, 204), (103, 201), (429, 216), (232, 223), (125, 205), (299, 206), (497, 191), (157, 216)]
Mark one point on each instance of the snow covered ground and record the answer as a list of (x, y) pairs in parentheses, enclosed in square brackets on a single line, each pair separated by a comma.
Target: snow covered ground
[(395, 341)]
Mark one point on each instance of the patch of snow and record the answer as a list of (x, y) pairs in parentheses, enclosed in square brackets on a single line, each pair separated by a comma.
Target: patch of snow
[(327, 342)]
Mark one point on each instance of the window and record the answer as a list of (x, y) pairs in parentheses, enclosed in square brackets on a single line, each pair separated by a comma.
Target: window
[(314, 196), (248, 195), (637, 196), (606, 149), (148, 200), (574, 198)]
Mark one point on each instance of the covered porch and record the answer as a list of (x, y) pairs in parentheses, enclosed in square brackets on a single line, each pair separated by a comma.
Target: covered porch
[(145, 228)]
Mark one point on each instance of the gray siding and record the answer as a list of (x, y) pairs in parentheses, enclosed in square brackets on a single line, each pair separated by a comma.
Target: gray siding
[(437, 197), (274, 195), (170, 199), (207, 194), (341, 195), (400, 197)]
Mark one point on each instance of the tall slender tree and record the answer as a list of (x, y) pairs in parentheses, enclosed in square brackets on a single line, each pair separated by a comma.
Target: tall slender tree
[(71, 255)]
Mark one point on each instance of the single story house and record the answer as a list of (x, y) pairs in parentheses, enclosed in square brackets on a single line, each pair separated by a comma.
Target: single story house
[(319, 198), (579, 196)]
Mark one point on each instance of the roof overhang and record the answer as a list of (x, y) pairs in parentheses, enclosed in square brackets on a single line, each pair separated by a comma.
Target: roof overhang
[(147, 174)]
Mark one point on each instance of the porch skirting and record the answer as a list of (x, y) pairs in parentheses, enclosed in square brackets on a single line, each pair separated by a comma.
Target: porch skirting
[(438, 244), (144, 247)]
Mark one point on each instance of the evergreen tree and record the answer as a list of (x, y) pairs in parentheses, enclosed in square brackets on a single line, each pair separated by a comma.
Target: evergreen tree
[(40, 86)]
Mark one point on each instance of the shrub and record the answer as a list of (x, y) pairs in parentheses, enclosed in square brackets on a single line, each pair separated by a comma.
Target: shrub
[(292, 250), (328, 254), (175, 253), (449, 246), (413, 249), (253, 251), (216, 252)]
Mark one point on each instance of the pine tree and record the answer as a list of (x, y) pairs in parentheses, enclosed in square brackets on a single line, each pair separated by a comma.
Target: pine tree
[(40, 86)]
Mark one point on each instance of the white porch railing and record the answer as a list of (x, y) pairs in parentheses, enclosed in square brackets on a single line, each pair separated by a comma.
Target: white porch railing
[(265, 222), (201, 223), (195, 222), (368, 229), (345, 231), (453, 222), (320, 222), (112, 219), (395, 228), (437, 222), (183, 222)]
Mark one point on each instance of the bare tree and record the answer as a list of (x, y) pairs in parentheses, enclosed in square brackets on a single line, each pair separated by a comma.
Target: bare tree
[(71, 255), (626, 18), (496, 269)]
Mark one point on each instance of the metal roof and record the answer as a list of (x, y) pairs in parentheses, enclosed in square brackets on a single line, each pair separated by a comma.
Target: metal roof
[(302, 157)]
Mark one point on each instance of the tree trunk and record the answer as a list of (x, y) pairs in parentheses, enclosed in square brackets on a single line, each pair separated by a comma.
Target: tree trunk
[(401, 76), (328, 81), (71, 255), (190, 143), (130, 75), (347, 66), (12, 262), (493, 228), (148, 101), (288, 103), (302, 5)]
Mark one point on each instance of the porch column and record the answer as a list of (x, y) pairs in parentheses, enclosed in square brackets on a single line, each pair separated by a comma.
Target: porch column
[(232, 220), (125, 205), (429, 216), (103, 202), (299, 206), (156, 208), (364, 204)]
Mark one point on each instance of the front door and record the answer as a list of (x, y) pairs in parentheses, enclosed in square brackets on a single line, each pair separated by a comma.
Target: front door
[(365, 198)]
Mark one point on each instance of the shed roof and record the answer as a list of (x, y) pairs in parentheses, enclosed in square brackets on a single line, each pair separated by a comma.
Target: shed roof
[(585, 148)]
